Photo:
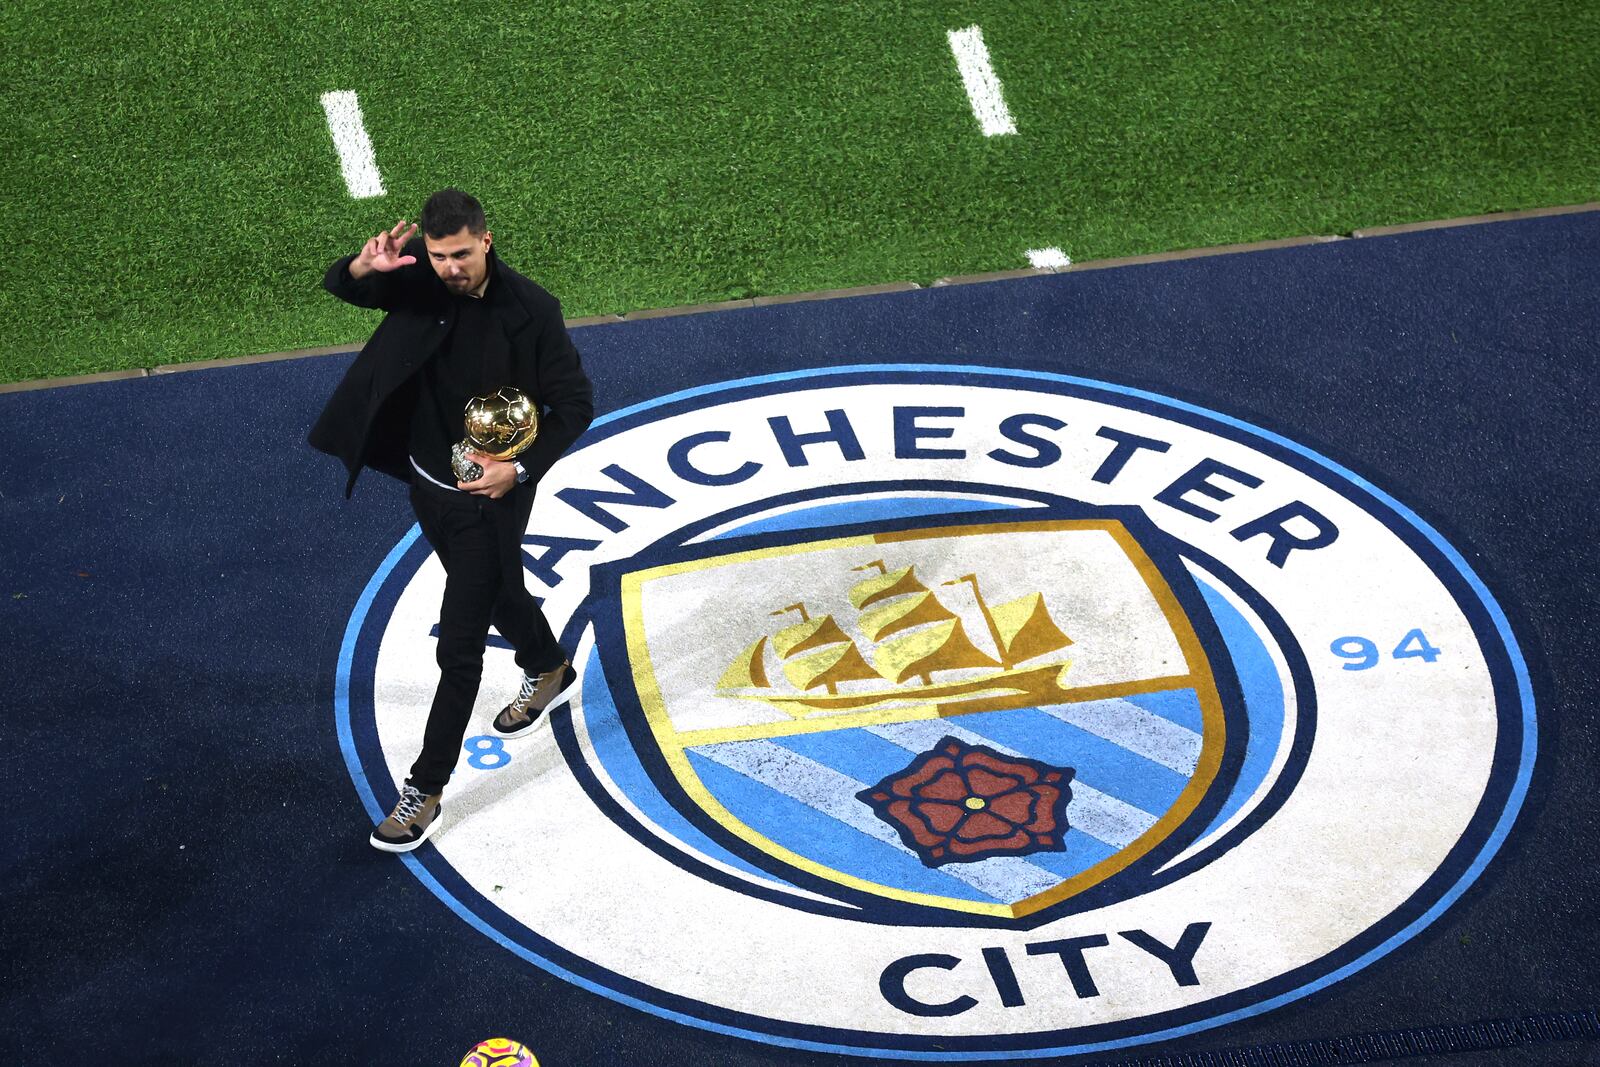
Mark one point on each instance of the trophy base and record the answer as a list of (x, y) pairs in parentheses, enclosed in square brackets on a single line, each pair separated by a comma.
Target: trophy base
[(465, 469)]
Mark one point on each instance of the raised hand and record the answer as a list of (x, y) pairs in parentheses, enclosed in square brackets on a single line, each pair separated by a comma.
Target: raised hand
[(382, 253)]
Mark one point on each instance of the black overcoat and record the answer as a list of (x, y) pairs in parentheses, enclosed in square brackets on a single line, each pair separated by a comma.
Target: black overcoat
[(367, 421)]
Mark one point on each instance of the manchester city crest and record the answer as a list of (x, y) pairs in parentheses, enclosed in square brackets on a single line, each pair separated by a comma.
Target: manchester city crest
[(957, 712), (989, 718)]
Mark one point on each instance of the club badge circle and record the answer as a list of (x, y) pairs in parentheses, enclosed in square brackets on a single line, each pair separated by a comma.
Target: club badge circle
[(949, 712)]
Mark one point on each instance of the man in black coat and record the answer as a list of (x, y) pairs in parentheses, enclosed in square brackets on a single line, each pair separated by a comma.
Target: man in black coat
[(462, 325)]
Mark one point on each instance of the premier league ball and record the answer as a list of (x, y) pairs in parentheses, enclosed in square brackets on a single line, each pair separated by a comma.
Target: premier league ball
[(499, 1052)]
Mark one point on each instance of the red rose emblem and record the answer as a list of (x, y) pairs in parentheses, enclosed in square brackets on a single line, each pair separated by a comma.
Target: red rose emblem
[(959, 802)]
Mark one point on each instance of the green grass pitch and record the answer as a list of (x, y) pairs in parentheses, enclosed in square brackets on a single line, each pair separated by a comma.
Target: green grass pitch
[(170, 190)]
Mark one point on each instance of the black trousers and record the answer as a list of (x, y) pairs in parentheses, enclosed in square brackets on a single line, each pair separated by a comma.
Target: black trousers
[(479, 541)]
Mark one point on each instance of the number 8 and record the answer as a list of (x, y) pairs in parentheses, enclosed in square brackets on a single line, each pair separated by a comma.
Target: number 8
[(484, 749)]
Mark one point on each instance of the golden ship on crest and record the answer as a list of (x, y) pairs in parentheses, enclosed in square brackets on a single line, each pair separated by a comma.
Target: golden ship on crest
[(915, 637)]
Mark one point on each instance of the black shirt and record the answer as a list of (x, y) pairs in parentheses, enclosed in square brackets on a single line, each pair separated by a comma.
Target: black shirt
[(453, 376)]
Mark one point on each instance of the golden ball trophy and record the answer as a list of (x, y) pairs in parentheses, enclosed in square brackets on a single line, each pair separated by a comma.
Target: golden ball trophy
[(499, 426)]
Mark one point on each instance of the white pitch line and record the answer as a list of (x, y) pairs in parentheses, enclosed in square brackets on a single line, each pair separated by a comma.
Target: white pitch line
[(1048, 259), (983, 88), (350, 138)]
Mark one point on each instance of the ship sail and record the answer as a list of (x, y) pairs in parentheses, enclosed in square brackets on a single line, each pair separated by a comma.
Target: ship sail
[(816, 652), (807, 635), (828, 667), (883, 586), (902, 613), (944, 646), (1025, 629), (749, 670)]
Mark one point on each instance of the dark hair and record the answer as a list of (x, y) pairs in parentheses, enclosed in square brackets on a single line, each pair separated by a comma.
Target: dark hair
[(450, 209)]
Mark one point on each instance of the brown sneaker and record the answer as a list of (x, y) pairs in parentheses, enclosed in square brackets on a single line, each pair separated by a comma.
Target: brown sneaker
[(414, 819), (539, 691)]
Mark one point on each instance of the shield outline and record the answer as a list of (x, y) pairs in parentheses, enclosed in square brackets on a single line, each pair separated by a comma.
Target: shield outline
[(672, 748)]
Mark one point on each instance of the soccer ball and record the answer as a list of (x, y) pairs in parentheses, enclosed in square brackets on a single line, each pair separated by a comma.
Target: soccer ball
[(499, 1052)]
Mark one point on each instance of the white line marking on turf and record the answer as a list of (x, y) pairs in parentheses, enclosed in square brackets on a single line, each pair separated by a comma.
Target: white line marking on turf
[(1048, 259), (360, 169), (983, 88)]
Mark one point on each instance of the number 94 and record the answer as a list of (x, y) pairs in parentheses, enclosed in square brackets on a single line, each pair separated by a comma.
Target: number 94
[(1363, 654)]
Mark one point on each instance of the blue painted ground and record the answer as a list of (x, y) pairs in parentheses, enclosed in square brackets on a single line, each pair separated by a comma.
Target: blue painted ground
[(185, 867)]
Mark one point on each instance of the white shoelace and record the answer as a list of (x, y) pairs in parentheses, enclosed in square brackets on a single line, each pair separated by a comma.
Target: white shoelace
[(411, 801)]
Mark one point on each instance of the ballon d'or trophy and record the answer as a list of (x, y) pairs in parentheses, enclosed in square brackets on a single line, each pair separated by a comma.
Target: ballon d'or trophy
[(499, 426)]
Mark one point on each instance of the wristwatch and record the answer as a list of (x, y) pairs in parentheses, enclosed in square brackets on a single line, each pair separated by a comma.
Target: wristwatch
[(522, 472)]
